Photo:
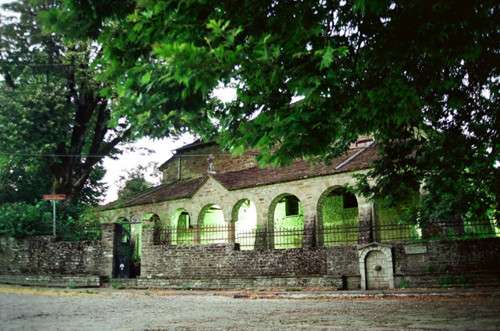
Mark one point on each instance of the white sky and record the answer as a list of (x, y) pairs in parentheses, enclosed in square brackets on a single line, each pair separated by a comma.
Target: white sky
[(162, 151)]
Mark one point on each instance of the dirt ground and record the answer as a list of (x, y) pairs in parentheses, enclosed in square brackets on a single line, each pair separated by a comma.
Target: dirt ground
[(24, 308)]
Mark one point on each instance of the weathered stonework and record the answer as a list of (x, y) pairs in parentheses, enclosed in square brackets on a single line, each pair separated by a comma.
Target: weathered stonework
[(52, 280), (44, 256), (376, 266), (353, 264), (307, 190), (40, 261)]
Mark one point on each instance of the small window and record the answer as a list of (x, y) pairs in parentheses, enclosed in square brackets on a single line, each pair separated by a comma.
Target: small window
[(349, 200), (292, 205)]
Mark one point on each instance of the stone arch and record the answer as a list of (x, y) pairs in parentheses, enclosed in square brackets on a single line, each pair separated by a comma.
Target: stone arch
[(382, 258), (392, 222), (181, 230), (244, 224), (212, 226), (337, 217), (285, 222)]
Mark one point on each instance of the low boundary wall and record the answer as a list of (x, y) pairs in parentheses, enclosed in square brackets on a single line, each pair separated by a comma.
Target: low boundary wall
[(43, 261)]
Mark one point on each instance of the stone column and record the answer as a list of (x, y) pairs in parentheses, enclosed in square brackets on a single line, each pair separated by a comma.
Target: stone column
[(309, 231), (365, 212), (262, 237), (197, 234), (107, 244), (232, 232)]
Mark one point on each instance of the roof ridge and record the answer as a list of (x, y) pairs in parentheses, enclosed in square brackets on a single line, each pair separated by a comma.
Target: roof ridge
[(353, 156)]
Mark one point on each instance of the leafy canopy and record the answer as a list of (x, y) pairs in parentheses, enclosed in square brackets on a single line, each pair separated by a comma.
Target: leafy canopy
[(54, 128), (420, 76), (135, 182)]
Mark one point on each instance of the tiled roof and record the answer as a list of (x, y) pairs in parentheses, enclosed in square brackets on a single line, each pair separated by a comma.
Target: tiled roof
[(354, 159), (178, 190)]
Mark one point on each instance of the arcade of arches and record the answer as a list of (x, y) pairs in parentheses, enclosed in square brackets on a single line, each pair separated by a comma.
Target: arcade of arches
[(287, 220)]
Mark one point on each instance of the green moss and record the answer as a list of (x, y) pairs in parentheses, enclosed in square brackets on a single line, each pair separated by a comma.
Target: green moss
[(340, 225), (394, 223), (404, 283), (288, 230)]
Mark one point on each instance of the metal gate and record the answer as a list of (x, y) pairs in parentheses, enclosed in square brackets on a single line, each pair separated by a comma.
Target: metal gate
[(123, 250)]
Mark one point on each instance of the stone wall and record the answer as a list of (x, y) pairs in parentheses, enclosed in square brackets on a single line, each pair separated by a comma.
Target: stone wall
[(42, 261), (52, 280), (431, 264), (44, 256), (223, 261), (448, 263)]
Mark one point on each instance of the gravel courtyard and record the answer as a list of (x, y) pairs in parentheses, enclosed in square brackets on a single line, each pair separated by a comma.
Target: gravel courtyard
[(106, 309)]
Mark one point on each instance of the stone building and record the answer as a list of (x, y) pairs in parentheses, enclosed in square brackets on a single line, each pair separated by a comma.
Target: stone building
[(219, 221), (203, 186), (222, 221)]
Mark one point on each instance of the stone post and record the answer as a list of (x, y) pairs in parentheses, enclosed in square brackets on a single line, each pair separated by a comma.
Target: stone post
[(107, 244), (365, 212), (232, 232), (262, 229), (150, 230), (197, 234), (309, 240)]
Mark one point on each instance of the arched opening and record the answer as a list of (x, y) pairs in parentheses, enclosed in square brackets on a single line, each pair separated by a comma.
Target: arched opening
[(134, 229), (212, 227), (286, 222), (245, 224), (395, 222), (338, 217), (122, 248), (182, 230)]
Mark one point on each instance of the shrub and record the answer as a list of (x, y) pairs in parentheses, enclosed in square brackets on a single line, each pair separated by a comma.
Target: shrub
[(22, 219)]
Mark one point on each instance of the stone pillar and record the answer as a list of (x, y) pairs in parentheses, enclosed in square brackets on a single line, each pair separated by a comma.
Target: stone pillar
[(107, 244), (365, 212), (232, 232), (309, 240), (262, 240), (197, 234), (150, 230)]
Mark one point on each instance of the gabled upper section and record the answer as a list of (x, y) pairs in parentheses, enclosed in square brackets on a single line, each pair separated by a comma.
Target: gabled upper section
[(192, 161), (188, 171)]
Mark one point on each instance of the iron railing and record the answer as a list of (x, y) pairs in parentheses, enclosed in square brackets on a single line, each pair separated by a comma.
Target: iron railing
[(326, 236)]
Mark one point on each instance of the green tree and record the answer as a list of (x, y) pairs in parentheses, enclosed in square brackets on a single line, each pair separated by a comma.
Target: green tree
[(54, 129), (420, 76), (134, 182)]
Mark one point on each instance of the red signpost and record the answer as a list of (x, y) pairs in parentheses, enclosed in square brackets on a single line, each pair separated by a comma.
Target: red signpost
[(54, 198)]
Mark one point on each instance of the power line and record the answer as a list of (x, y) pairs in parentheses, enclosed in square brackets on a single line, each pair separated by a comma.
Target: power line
[(97, 155), (35, 64), (52, 155)]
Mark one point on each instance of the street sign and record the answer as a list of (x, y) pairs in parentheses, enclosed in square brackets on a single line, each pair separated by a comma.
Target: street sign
[(56, 197), (53, 198)]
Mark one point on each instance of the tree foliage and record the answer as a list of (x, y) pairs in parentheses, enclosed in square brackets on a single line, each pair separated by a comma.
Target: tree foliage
[(420, 76), (135, 182), (54, 127)]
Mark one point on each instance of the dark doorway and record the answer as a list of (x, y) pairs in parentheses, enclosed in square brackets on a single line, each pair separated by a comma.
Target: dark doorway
[(123, 250)]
